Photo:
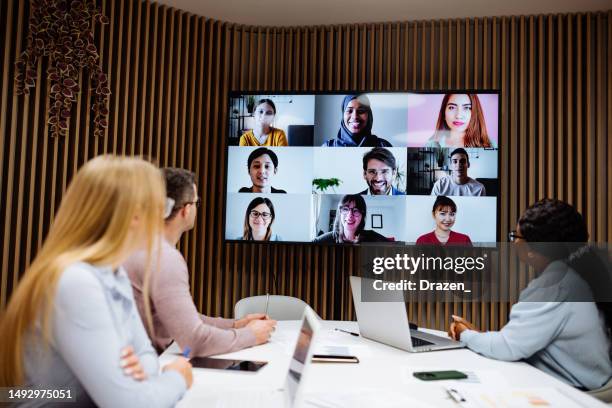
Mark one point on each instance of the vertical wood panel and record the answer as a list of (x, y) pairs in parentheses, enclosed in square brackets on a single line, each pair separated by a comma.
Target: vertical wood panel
[(170, 73)]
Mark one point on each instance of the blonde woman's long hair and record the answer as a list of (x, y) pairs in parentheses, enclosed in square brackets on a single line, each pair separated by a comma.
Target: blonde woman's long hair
[(93, 225)]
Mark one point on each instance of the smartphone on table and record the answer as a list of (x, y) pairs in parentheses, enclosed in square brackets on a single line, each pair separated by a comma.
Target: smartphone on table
[(440, 375)]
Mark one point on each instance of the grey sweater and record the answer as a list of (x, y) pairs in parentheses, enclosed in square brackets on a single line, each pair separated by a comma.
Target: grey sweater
[(552, 330), (94, 317)]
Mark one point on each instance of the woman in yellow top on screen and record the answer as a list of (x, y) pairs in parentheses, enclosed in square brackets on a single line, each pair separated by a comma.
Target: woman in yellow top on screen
[(263, 134), (460, 123)]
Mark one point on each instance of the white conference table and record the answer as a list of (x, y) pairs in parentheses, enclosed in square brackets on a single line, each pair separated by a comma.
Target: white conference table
[(382, 370)]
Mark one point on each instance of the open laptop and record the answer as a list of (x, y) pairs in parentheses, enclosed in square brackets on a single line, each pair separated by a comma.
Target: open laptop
[(387, 322), (291, 393)]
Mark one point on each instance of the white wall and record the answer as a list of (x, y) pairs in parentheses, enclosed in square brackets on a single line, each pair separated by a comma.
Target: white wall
[(483, 163), (294, 169), (347, 165), (393, 210), (476, 217), (389, 112), (292, 212), (325, 203)]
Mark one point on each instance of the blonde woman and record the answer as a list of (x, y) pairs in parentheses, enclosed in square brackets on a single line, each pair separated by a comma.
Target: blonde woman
[(72, 319)]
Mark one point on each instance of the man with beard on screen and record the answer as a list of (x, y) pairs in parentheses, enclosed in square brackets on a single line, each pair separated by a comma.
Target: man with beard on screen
[(379, 172)]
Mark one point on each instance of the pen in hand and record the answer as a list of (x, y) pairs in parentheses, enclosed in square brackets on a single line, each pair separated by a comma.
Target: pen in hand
[(347, 332), (186, 352)]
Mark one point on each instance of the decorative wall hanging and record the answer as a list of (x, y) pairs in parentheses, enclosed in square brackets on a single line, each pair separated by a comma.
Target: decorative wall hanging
[(62, 31)]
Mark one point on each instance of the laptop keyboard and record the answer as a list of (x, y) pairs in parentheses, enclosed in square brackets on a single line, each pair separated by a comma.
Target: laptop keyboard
[(416, 342)]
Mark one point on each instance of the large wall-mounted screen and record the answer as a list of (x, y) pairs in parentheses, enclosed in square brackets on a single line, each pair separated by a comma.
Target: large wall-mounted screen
[(365, 167)]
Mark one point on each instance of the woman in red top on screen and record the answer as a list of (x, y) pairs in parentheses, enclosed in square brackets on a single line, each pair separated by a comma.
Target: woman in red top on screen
[(443, 213), (460, 123)]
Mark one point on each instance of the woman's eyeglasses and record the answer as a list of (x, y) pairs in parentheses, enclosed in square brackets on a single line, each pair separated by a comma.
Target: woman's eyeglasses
[(264, 215), (354, 211), (513, 235)]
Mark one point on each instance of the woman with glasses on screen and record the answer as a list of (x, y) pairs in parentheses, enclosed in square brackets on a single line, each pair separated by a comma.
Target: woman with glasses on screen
[(356, 125), (72, 322), (460, 123), (349, 223), (444, 212), (258, 221), (263, 133), (556, 325)]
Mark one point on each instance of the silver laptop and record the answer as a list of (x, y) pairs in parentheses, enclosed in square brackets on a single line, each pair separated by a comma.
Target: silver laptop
[(387, 322), (291, 394)]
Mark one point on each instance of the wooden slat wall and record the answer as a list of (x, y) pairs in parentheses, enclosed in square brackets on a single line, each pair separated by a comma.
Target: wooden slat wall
[(170, 73)]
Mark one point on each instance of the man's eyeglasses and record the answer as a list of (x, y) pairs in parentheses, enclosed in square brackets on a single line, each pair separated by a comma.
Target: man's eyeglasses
[(196, 202), (513, 235), (264, 215), (374, 172), (355, 211)]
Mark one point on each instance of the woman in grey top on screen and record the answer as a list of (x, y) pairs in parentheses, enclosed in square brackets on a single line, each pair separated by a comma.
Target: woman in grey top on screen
[(458, 183), (461, 123), (72, 319), (350, 223), (262, 166), (258, 221), (356, 125), (555, 326)]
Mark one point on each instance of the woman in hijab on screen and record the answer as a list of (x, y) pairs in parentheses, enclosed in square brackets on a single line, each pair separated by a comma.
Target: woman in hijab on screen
[(356, 125)]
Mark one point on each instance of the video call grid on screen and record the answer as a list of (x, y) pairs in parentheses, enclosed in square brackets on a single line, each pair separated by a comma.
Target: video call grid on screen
[(319, 141)]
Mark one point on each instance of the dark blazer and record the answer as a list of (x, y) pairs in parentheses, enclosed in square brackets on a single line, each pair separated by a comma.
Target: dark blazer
[(394, 191), (250, 190)]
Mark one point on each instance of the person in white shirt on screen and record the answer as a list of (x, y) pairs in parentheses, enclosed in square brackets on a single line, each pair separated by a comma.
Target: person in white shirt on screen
[(458, 183), (379, 172)]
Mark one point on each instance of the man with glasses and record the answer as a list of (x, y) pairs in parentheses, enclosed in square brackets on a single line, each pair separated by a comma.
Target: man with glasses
[(175, 316), (379, 172), (458, 183)]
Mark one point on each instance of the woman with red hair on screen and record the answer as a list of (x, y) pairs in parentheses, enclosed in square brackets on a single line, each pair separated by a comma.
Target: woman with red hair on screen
[(460, 123)]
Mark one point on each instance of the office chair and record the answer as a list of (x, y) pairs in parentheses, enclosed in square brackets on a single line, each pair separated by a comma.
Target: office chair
[(604, 393), (279, 307)]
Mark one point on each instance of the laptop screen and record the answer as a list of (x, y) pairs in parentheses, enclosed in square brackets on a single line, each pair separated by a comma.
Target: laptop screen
[(298, 361)]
